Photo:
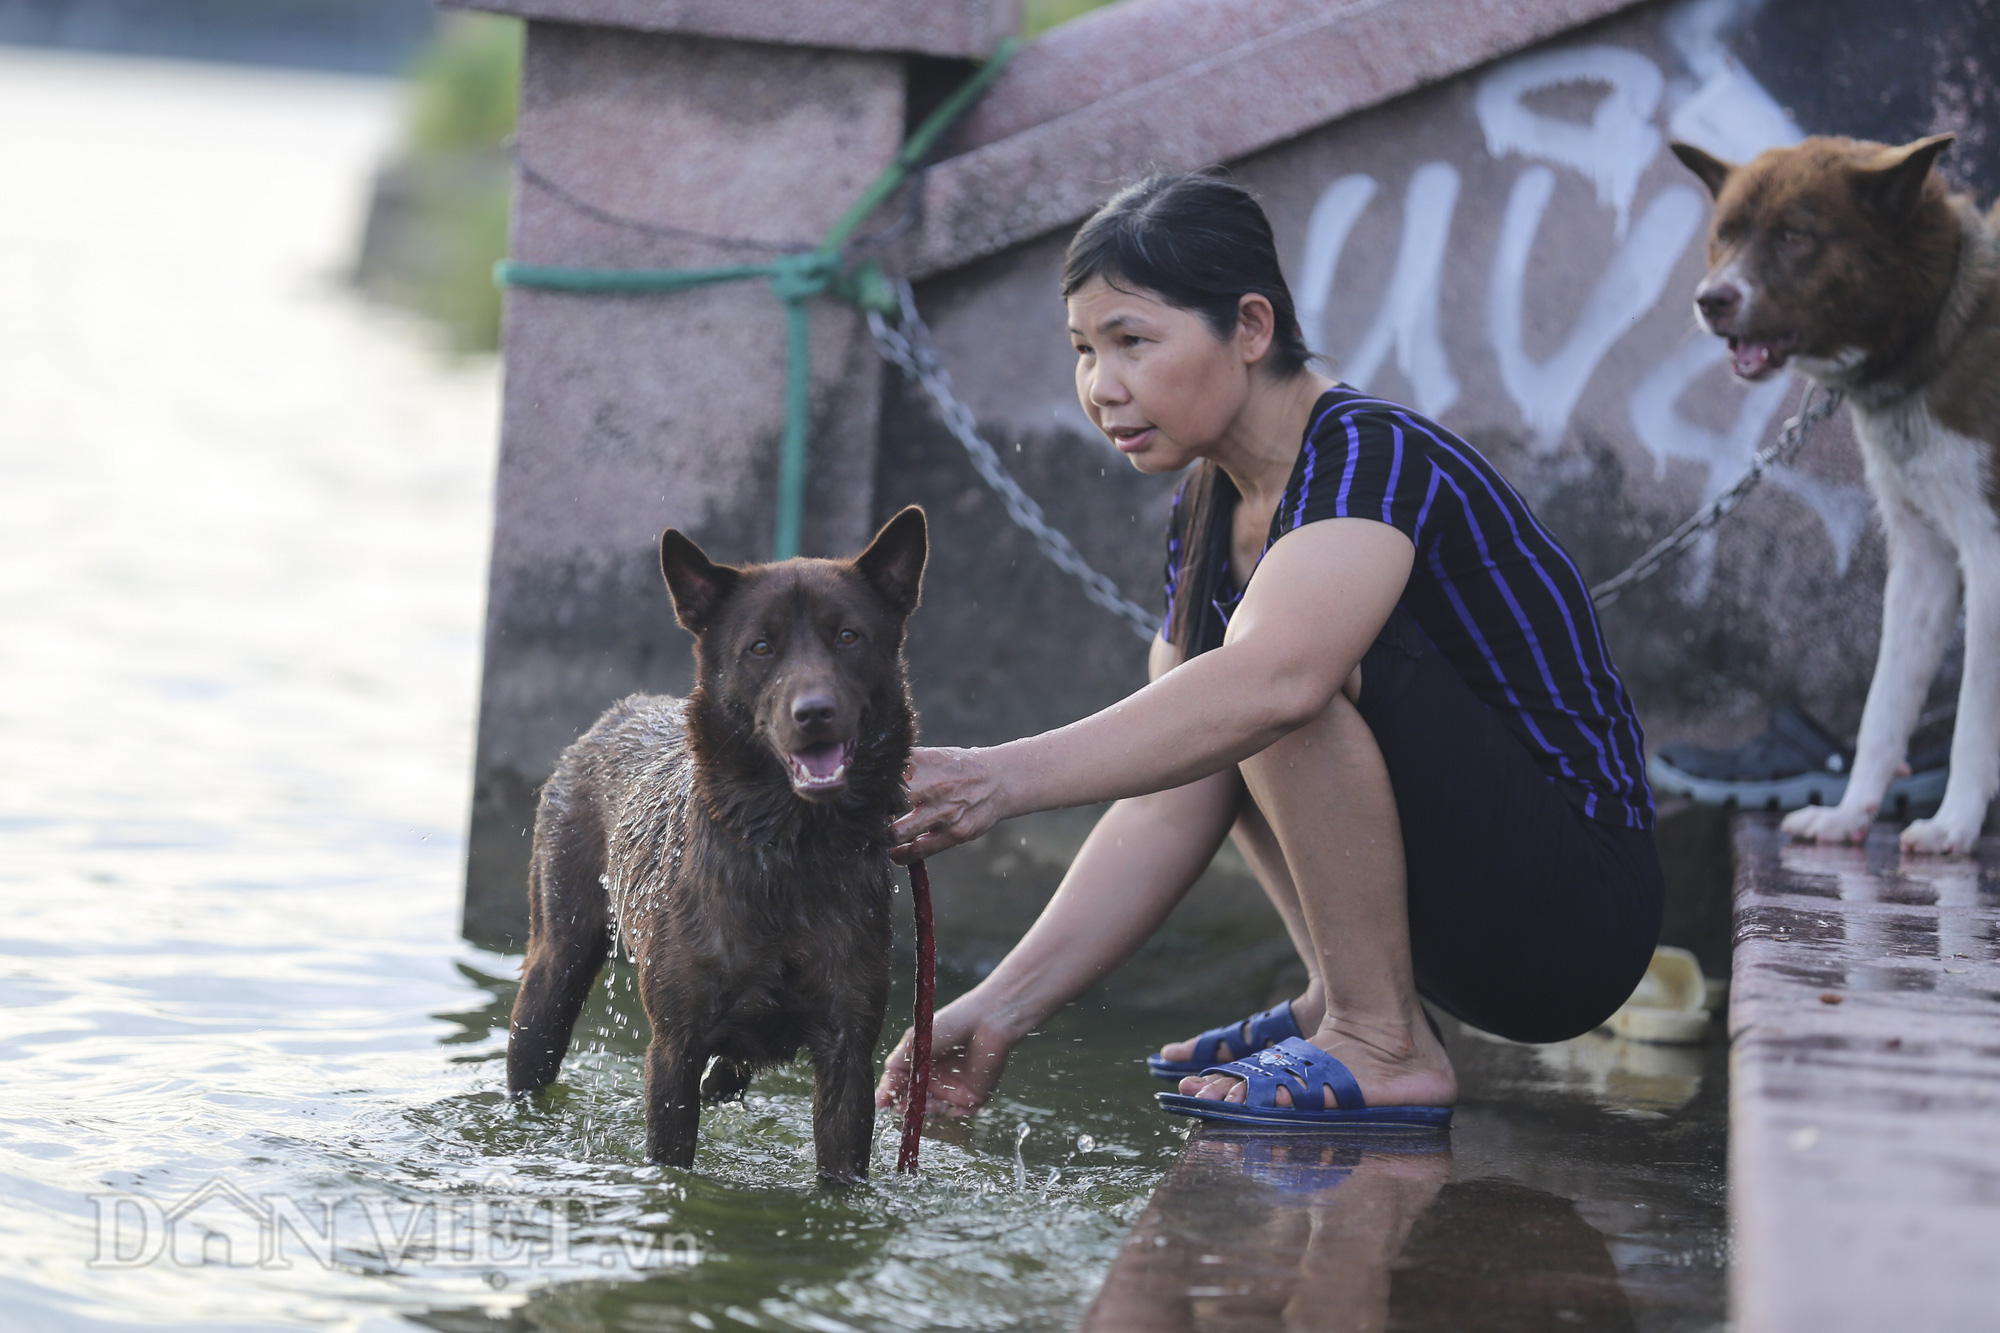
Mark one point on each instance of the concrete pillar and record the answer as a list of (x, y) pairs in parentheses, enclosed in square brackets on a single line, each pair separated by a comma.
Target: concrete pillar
[(626, 414)]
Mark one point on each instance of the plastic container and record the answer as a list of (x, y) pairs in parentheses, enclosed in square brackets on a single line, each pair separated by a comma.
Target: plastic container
[(1670, 1007)]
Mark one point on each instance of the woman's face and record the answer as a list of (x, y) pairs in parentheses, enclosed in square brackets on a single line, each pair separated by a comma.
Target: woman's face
[(1154, 377)]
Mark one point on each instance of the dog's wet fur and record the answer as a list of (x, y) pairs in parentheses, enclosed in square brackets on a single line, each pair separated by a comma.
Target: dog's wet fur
[(737, 842), (1854, 263)]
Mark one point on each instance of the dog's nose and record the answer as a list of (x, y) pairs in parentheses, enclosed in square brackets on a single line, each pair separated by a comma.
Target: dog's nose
[(813, 710), (1718, 302)]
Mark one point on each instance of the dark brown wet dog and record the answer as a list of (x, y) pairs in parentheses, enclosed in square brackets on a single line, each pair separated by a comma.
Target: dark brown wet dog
[(736, 841)]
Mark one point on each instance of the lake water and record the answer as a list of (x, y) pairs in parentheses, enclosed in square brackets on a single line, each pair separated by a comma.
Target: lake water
[(251, 1073), (243, 522)]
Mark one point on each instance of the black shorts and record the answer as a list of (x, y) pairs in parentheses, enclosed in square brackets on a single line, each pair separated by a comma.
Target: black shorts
[(1528, 919)]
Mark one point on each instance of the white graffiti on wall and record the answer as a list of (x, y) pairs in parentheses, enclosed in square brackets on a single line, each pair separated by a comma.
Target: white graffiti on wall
[(1547, 391), (1727, 112), (1722, 108), (1407, 321), (1613, 151)]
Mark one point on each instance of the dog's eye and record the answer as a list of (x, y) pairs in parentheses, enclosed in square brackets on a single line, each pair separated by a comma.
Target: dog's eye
[(762, 648), (1794, 237), (848, 636)]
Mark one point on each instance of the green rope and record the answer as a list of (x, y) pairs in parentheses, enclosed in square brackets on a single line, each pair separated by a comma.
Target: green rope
[(795, 279)]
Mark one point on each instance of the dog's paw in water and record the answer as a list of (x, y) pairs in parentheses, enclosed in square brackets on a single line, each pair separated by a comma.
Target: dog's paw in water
[(1828, 823), (1941, 835)]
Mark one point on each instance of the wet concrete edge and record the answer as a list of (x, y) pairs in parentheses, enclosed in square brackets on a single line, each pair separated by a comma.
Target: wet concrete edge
[(1864, 1141)]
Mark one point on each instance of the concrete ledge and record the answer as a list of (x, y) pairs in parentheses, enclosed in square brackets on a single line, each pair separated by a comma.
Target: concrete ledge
[(1865, 1111), (1218, 81), (928, 27)]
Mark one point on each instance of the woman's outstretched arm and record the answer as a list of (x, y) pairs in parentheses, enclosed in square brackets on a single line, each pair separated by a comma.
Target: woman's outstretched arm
[(1140, 860), (1319, 598)]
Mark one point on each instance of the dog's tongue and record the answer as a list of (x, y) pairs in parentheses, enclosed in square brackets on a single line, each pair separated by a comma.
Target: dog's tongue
[(1750, 359), (821, 761)]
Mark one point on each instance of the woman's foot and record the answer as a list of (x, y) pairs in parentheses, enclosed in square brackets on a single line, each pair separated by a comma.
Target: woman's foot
[(1306, 1012), (1396, 1064)]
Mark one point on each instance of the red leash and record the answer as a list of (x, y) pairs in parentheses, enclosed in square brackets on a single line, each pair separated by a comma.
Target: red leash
[(920, 1045)]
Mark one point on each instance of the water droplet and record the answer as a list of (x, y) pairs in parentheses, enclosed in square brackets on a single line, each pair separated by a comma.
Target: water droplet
[(1085, 1143)]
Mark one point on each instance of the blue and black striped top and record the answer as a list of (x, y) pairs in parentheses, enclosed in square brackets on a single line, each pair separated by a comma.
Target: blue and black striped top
[(1491, 587)]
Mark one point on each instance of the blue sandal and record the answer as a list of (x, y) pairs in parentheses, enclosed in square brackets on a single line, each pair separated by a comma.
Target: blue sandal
[(1305, 1071), (1247, 1038)]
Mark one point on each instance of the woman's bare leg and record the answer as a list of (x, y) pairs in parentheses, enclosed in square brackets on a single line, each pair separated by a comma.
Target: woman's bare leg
[(1324, 789), (1259, 846)]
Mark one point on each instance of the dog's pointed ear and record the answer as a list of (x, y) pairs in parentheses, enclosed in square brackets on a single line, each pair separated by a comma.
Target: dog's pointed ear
[(894, 561), (1893, 180), (699, 585), (1712, 169)]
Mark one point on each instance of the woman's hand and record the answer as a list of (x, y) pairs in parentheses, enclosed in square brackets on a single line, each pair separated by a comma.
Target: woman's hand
[(955, 796), (967, 1055)]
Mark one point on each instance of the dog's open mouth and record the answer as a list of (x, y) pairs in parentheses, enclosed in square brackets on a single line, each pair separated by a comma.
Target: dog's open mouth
[(820, 767), (1754, 360)]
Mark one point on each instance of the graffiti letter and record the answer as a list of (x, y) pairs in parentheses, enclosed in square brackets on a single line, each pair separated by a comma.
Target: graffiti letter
[(1409, 314), (1408, 317), (1617, 146), (1730, 114), (1547, 391), (1333, 217)]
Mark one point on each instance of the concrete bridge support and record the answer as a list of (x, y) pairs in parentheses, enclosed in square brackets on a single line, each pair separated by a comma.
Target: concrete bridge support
[(702, 142)]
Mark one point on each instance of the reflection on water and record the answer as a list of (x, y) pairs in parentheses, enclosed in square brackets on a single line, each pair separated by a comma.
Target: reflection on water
[(1634, 1075), (251, 1072), (1325, 1233), (1580, 1187), (1252, 1231)]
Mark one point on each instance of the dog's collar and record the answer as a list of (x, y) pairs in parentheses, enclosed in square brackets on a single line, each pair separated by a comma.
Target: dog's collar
[(1973, 276)]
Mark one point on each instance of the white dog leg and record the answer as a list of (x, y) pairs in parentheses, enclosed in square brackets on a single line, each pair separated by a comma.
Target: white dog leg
[(1975, 738), (1917, 605)]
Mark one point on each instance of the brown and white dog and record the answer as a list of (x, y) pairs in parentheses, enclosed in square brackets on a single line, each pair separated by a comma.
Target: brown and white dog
[(1852, 262)]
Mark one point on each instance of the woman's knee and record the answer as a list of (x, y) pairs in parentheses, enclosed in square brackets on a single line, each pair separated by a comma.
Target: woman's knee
[(1327, 779)]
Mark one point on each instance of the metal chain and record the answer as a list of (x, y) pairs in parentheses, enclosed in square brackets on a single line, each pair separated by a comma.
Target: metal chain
[(908, 344), (1781, 450)]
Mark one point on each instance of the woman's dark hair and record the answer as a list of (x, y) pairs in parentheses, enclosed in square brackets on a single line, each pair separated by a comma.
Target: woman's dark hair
[(1199, 243)]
